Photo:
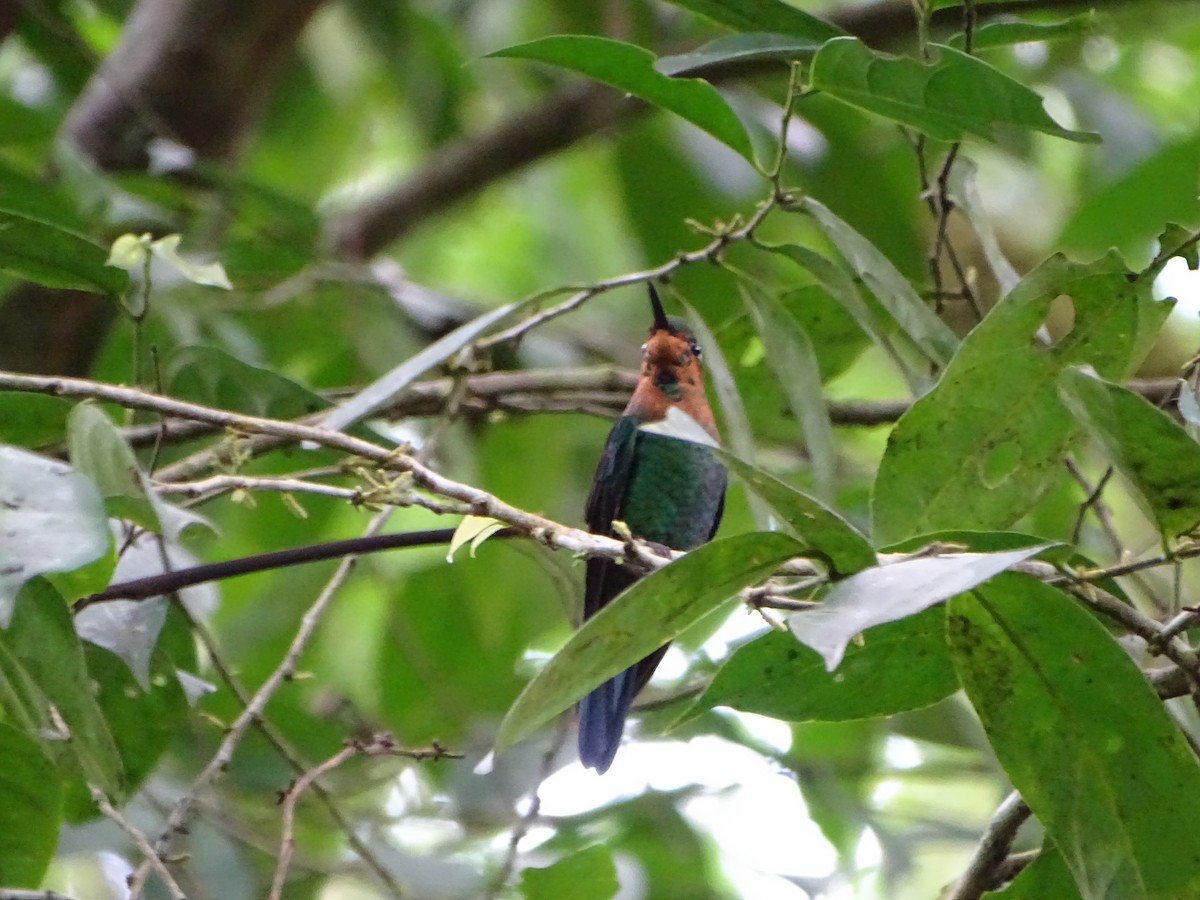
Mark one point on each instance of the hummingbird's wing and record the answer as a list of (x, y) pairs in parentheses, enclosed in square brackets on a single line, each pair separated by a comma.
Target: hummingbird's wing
[(604, 578)]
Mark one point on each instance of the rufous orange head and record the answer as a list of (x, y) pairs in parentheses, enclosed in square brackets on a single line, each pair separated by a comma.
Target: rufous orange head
[(671, 374)]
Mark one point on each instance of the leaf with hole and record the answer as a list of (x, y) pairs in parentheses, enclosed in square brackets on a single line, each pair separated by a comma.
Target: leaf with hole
[(978, 450)]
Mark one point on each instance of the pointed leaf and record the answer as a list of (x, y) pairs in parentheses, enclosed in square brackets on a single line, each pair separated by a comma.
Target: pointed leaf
[(898, 666), (763, 15), (382, 390), (631, 69), (42, 637), (46, 254), (473, 530), (213, 377), (209, 274), (954, 96), (736, 50), (890, 592), (30, 810), (824, 532), (981, 448), (895, 294), (1082, 736), (100, 451), (1004, 34), (1148, 446), (652, 612), (791, 357), (52, 519)]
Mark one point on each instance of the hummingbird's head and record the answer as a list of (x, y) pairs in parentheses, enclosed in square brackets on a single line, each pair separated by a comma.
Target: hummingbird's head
[(671, 374)]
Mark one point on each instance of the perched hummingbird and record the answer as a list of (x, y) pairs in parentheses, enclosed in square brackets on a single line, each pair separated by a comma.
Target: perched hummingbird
[(659, 476)]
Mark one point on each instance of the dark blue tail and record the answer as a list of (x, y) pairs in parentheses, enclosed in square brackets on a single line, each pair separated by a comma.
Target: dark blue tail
[(602, 712), (602, 720)]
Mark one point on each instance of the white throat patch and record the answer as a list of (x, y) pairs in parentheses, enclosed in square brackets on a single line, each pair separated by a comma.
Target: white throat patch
[(681, 426)]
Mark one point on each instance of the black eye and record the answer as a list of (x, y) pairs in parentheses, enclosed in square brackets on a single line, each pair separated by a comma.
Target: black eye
[(695, 348)]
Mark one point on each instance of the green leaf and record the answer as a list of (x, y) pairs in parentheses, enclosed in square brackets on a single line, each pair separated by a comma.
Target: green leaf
[(630, 68), (736, 50), (1046, 876), (824, 532), (100, 451), (898, 666), (980, 449), (382, 390), (1131, 212), (655, 610), (763, 15), (890, 592), (586, 875), (32, 420), (1082, 736), (1147, 445), (213, 377), (42, 637), (30, 810), (791, 357), (1004, 34), (954, 96), (911, 314), (52, 519), (143, 718), (52, 256)]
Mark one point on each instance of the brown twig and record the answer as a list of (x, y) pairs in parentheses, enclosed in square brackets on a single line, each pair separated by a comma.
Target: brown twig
[(379, 745), (981, 873), (153, 859)]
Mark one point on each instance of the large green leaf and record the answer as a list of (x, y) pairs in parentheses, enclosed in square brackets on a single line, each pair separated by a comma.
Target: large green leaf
[(585, 875), (1082, 736), (898, 666), (630, 68), (1003, 34), (1130, 212), (982, 447), (52, 519), (52, 256), (1147, 445), (824, 532), (954, 96), (890, 592), (910, 313), (30, 810), (652, 612), (213, 377), (41, 636), (763, 15)]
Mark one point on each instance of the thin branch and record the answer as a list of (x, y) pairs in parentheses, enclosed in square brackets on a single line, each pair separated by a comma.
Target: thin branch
[(18, 894), (285, 750), (711, 252), (152, 857), (981, 873), (1094, 501), (184, 809), (379, 745), (500, 879)]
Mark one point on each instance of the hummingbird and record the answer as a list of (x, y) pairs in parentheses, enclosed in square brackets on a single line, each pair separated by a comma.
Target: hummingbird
[(659, 476)]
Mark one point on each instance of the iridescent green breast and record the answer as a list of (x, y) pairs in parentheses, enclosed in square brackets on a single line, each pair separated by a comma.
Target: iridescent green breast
[(675, 491)]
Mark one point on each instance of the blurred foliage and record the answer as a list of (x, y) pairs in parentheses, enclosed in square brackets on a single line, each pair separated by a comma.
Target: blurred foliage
[(881, 278)]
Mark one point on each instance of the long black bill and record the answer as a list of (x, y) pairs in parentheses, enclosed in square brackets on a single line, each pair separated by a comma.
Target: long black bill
[(660, 317)]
